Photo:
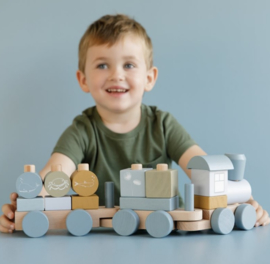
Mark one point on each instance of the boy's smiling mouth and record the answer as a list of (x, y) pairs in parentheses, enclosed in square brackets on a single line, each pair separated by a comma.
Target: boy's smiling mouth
[(117, 90)]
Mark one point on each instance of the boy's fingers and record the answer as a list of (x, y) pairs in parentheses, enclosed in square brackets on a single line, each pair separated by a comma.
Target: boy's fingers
[(13, 198), (267, 222), (6, 224), (5, 230), (254, 204), (259, 213), (8, 210), (263, 219)]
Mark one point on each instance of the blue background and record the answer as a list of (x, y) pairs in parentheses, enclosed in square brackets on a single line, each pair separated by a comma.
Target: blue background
[(213, 59)]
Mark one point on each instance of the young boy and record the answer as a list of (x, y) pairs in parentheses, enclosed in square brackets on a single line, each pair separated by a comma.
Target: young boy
[(116, 68)]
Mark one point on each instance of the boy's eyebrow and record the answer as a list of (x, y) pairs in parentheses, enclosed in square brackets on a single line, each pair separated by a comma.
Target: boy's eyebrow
[(125, 57)]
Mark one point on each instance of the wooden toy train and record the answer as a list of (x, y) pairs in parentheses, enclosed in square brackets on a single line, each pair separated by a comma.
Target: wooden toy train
[(149, 199)]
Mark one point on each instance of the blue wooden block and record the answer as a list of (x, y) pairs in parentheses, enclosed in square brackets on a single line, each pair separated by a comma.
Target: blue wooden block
[(35, 224), (222, 221), (245, 216), (109, 194), (149, 204), (29, 185), (132, 182), (125, 222), (159, 224), (239, 164), (79, 222), (33, 204), (189, 197)]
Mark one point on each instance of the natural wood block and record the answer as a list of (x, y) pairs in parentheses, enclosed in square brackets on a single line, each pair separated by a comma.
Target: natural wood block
[(106, 223), (84, 182), (194, 226), (207, 213), (57, 219), (210, 202), (89, 202), (161, 183)]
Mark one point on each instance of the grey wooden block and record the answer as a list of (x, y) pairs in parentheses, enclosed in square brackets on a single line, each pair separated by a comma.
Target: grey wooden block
[(125, 222), (189, 197), (245, 216), (57, 203), (132, 182), (239, 164), (159, 224), (79, 222), (33, 204), (109, 194), (35, 224), (167, 204), (29, 185), (222, 221)]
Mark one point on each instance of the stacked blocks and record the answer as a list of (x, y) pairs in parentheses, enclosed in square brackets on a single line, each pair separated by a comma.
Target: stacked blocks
[(147, 189), (29, 186), (57, 184), (85, 184)]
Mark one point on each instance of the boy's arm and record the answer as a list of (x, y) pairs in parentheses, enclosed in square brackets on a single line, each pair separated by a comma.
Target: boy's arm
[(7, 219), (262, 215)]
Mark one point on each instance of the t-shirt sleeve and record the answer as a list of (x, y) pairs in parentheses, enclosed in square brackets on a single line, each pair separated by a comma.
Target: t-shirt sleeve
[(74, 141), (177, 138)]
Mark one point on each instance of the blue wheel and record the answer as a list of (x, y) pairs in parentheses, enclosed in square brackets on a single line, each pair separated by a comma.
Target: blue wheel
[(159, 224), (245, 216), (35, 224), (79, 222), (222, 221), (125, 222)]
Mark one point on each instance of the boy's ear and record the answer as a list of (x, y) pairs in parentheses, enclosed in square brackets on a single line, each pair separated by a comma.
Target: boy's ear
[(82, 81), (152, 75)]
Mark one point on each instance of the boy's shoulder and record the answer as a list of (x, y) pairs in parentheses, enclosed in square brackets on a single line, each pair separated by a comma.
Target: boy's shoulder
[(153, 112)]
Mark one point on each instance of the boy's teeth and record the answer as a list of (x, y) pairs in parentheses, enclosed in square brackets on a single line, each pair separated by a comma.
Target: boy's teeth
[(116, 90)]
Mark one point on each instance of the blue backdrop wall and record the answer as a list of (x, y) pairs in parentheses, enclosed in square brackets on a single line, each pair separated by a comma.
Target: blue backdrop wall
[(213, 59)]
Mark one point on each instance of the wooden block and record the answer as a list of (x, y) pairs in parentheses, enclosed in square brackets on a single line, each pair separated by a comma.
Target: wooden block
[(149, 204), (109, 194), (132, 181), (33, 204), (161, 183), (57, 203), (106, 222), (222, 221), (189, 197), (194, 226), (210, 202), (56, 182), (84, 182), (207, 213), (29, 184), (245, 216), (57, 219), (89, 202)]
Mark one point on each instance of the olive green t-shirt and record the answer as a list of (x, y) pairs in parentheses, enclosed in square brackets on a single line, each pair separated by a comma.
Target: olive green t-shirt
[(158, 138)]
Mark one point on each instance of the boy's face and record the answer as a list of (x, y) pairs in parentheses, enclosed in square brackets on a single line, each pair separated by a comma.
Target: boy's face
[(117, 76)]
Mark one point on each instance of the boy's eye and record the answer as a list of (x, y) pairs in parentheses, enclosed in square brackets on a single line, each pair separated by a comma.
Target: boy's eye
[(129, 66), (102, 66)]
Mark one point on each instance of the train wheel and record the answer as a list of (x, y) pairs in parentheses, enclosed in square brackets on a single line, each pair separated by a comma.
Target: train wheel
[(79, 222), (222, 221), (159, 224), (245, 216), (35, 224), (125, 222)]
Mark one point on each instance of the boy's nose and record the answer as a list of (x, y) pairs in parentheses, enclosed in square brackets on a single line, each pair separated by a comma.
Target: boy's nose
[(116, 75)]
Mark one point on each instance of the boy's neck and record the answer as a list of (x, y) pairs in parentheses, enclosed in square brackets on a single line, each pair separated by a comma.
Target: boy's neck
[(120, 122)]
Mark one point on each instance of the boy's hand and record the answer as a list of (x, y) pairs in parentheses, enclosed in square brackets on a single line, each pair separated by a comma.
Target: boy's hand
[(7, 219), (262, 215)]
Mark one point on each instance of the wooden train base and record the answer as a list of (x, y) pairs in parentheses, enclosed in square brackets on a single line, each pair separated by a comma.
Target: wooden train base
[(126, 221)]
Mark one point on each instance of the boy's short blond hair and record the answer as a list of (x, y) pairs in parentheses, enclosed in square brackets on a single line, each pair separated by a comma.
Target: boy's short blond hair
[(108, 30)]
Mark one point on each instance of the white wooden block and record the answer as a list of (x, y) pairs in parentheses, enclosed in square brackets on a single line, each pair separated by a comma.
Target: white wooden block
[(57, 203), (209, 183), (32, 204)]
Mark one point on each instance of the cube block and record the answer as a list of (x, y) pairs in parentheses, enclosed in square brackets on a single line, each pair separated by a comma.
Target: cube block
[(57, 203), (89, 202), (210, 202), (33, 204)]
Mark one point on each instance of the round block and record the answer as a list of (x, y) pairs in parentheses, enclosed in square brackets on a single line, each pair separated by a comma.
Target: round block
[(162, 167), (245, 216), (125, 222), (57, 183), (136, 166), (159, 224), (29, 185), (222, 221), (84, 183), (239, 164), (35, 224), (79, 222)]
